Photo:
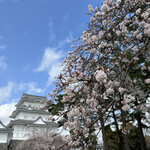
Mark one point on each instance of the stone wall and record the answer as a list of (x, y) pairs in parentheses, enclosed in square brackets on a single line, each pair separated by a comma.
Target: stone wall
[(3, 146)]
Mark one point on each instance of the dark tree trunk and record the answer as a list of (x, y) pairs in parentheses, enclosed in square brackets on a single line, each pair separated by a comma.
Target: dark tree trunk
[(106, 147), (118, 131), (142, 139), (125, 136)]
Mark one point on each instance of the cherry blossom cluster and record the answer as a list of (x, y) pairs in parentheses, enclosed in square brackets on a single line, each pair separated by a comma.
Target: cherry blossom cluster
[(103, 70)]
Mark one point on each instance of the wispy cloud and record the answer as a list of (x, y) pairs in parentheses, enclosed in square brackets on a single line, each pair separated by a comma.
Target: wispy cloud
[(6, 92), (30, 88), (6, 110), (54, 72), (65, 17), (12, 88), (52, 35), (67, 40), (52, 59), (3, 64)]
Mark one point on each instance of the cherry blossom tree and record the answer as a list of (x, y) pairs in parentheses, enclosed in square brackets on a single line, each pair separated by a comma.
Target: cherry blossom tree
[(109, 67), (44, 141)]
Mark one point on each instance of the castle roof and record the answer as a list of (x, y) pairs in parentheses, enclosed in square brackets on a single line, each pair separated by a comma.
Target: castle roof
[(24, 109), (4, 129), (31, 98), (36, 122)]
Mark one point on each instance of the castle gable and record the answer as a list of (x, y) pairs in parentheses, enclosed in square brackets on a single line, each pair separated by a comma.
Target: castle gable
[(39, 121)]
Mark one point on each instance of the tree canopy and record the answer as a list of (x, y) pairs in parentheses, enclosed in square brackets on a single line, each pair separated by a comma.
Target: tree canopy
[(108, 72)]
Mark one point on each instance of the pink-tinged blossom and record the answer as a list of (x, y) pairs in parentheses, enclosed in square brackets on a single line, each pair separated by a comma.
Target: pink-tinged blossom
[(98, 14), (99, 67), (104, 22), (145, 15), (101, 34), (118, 33), (88, 120), (138, 11), (135, 49), (110, 91), (147, 81), (90, 8), (143, 68), (100, 76), (135, 58), (92, 19), (128, 99), (121, 90), (109, 84), (116, 84), (126, 107), (94, 38), (118, 3), (104, 7), (139, 36)]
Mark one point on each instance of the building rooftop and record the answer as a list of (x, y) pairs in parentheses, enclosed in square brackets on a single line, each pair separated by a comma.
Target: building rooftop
[(32, 123), (20, 107), (4, 129), (31, 98)]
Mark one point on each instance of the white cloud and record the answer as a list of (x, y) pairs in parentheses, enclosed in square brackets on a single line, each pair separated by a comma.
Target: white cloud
[(51, 57), (6, 110), (51, 62), (3, 64), (52, 35), (6, 92), (30, 88), (65, 17), (11, 88), (54, 72)]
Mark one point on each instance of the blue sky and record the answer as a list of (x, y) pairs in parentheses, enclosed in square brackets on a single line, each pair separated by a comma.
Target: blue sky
[(35, 36)]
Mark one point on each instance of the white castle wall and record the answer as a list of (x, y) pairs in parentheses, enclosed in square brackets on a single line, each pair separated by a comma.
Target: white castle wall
[(3, 137), (37, 104), (31, 116), (22, 132)]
